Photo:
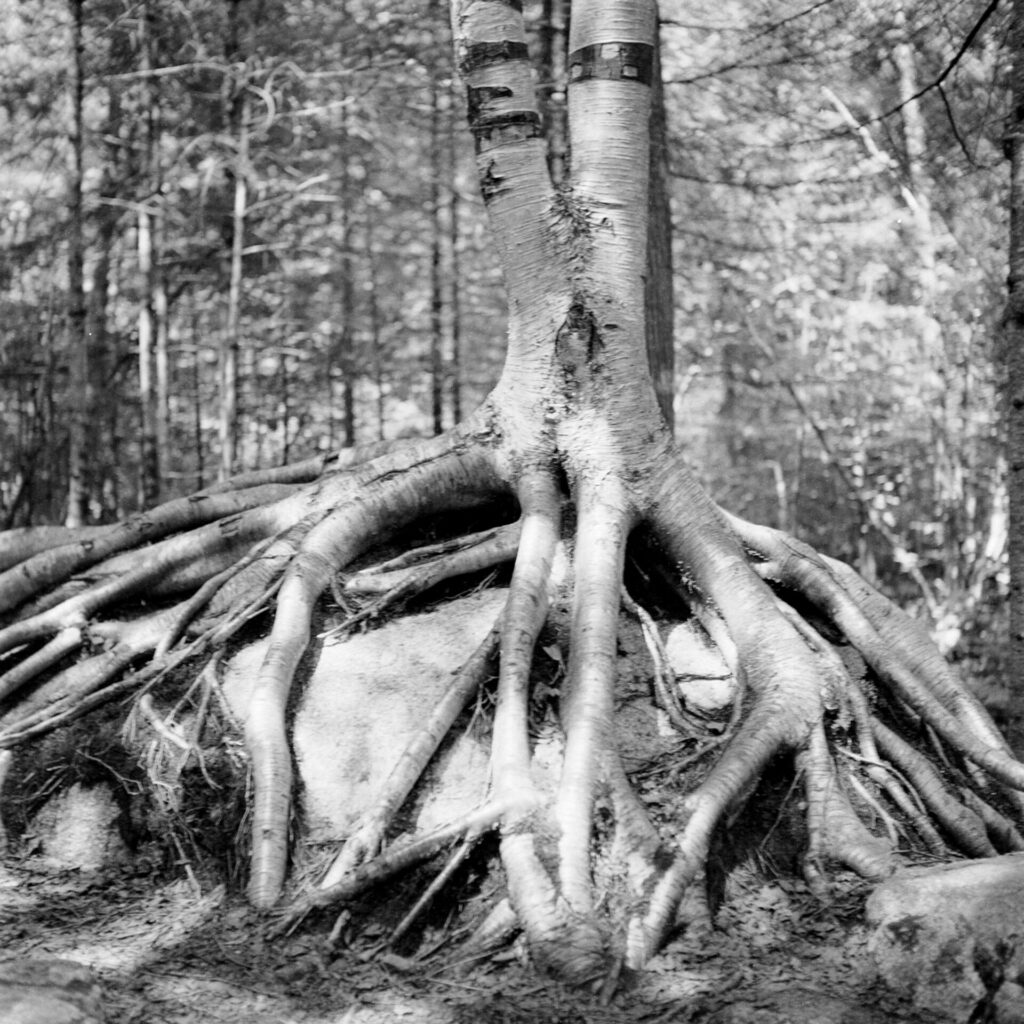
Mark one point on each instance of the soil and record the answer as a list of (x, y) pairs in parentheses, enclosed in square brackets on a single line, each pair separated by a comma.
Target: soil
[(169, 948)]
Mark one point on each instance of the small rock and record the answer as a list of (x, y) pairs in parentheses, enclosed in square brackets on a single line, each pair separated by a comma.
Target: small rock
[(77, 828), (951, 937), (705, 683), (49, 992)]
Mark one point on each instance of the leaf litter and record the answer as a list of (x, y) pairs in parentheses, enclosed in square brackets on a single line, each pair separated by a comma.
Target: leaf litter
[(165, 954)]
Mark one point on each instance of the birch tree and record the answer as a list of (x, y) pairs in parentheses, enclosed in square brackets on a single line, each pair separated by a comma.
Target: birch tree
[(572, 439)]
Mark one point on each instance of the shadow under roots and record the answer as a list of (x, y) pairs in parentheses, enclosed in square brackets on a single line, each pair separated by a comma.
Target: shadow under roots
[(768, 836), (439, 528)]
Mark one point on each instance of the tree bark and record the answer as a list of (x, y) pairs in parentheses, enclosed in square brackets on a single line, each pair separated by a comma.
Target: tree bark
[(660, 292), (1013, 347), (78, 345), (455, 263), (437, 236), (237, 118), (150, 471)]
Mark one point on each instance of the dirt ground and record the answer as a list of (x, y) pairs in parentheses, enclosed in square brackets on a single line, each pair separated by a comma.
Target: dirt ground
[(169, 949), (169, 945)]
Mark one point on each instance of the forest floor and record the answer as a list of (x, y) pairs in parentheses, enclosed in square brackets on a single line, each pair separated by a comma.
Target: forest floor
[(171, 946), (169, 949)]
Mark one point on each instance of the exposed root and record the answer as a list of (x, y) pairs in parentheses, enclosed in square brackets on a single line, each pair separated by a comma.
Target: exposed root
[(532, 893), (592, 883), (895, 647), (605, 517), (963, 826), (454, 862), (31, 576), (496, 929), (402, 578), (431, 475), (202, 551), (120, 644), (836, 833), (395, 859), (19, 544)]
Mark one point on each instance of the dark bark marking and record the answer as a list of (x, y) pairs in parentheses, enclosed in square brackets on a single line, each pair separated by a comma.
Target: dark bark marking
[(508, 127), (631, 62), (491, 184), (578, 342), (491, 127), (481, 55), (479, 97)]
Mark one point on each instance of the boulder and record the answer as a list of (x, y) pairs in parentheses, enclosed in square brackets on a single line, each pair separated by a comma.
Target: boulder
[(49, 992), (951, 938), (365, 698)]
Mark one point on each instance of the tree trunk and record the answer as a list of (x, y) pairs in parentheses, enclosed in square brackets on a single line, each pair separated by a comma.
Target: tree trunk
[(237, 117), (162, 366), (437, 233), (376, 342), (1013, 346), (78, 351), (660, 294), (345, 360), (554, 28), (455, 268), (150, 470), (231, 345)]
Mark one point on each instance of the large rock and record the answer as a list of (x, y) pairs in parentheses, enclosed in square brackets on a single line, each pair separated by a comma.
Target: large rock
[(49, 992), (951, 938), (365, 698)]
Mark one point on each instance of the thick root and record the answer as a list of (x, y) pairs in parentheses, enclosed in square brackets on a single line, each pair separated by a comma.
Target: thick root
[(592, 884)]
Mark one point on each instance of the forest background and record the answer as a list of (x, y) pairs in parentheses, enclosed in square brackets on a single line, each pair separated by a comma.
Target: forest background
[(241, 233)]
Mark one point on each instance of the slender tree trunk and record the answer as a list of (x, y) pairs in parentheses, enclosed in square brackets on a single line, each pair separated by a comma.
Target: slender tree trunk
[(236, 117), (436, 274), (229, 356), (455, 264), (78, 358), (915, 148), (102, 426), (376, 341), (346, 362), (1013, 342), (150, 468), (162, 365), (554, 31), (199, 447), (659, 295)]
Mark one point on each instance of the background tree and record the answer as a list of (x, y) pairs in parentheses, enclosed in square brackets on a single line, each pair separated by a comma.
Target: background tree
[(1014, 349)]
